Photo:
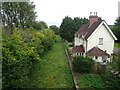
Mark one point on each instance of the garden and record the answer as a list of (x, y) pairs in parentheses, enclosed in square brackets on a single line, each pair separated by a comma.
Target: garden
[(90, 76)]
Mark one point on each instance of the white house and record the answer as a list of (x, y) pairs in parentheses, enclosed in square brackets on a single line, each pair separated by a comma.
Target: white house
[(94, 39)]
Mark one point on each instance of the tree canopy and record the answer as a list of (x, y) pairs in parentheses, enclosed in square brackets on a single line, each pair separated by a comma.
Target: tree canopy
[(54, 28), (17, 14), (69, 26), (39, 25), (116, 29)]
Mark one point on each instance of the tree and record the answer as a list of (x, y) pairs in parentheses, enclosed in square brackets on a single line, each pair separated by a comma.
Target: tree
[(54, 28), (116, 29), (117, 23), (39, 25), (69, 26), (17, 14), (79, 22)]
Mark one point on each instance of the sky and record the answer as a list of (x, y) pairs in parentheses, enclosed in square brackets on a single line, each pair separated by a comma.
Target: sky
[(53, 11)]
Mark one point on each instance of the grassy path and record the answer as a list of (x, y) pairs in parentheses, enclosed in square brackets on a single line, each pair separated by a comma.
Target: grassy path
[(54, 71)]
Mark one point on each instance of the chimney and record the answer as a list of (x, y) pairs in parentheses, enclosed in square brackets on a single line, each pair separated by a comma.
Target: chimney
[(93, 18)]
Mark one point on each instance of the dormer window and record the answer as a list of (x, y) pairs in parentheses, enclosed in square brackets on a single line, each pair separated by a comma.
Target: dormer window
[(100, 41)]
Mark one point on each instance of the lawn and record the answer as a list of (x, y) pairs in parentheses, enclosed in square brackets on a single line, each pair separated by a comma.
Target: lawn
[(54, 71), (117, 45)]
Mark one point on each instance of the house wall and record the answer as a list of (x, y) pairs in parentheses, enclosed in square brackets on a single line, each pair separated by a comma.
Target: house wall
[(108, 41), (99, 59), (80, 41)]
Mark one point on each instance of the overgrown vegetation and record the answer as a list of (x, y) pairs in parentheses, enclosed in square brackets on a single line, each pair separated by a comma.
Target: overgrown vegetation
[(20, 51), (115, 65), (110, 81), (89, 81), (81, 64), (54, 71), (103, 81)]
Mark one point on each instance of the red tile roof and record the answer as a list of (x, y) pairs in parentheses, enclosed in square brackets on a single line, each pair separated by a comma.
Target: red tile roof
[(86, 30), (78, 49), (95, 51)]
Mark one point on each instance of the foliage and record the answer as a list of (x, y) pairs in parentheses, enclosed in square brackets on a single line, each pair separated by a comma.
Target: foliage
[(47, 37), (54, 71), (116, 63), (39, 25), (54, 28), (117, 23), (17, 61), (17, 14), (117, 45), (58, 39), (69, 26), (105, 81), (116, 29), (79, 22), (20, 51), (89, 81), (110, 81), (83, 64)]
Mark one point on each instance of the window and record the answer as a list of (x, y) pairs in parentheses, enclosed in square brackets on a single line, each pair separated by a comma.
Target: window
[(96, 57), (100, 41)]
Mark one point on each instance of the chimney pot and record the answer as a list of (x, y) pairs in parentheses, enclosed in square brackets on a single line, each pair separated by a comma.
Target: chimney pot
[(93, 18)]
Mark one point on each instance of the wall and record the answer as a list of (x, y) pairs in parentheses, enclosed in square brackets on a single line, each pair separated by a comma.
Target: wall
[(108, 41), (80, 41)]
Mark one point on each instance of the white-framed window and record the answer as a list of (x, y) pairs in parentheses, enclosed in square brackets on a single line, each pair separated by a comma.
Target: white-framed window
[(100, 41)]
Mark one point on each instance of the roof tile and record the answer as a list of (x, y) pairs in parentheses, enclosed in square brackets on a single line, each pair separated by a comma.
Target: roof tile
[(95, 51), (87, 30)]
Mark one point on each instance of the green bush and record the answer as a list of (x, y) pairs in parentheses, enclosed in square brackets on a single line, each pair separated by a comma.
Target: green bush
[(111, 81), (58, 39), (20, 50), (83, 64), (90, 81)]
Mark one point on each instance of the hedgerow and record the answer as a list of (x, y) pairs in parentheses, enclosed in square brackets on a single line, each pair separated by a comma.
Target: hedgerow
[(20, 51)]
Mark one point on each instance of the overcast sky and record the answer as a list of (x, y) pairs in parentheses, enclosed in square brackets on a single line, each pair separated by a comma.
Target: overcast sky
[(53, 11)]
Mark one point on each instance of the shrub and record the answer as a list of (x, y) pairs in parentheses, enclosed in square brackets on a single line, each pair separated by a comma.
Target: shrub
[(111, 81), (90, 81), (83, 64), (58, 39), (16, 61), (20, 50)]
